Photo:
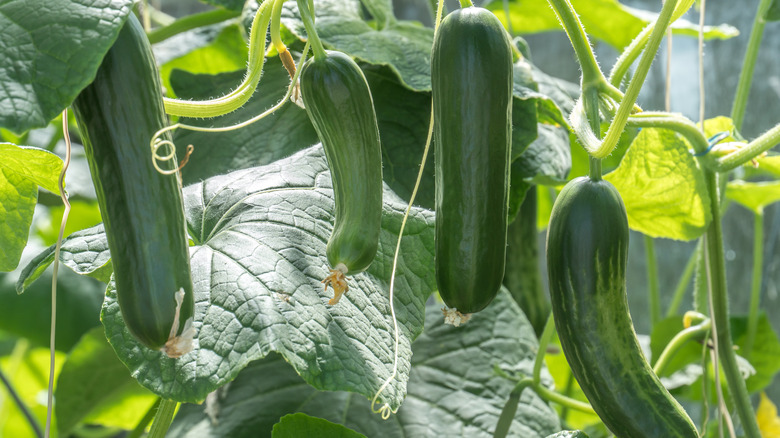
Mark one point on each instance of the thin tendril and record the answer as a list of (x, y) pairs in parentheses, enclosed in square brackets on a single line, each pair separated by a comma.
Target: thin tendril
[(386, 410), (157, 142), (55, 268)]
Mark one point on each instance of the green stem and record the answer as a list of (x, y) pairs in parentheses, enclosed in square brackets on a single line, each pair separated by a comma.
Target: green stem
[(632, 93), (9, 387), (682, 285), (590, 101), (552, 396), (752, 150), (510, 409), (716, 273), (238, 97), (308, 21), (591, 74), (163, 419), (140, 428), (653, 294), (673, 122), (749, 65), (467, 4), (632, 52), (755, 295), (544, 341), (677, 342), (191, 22)]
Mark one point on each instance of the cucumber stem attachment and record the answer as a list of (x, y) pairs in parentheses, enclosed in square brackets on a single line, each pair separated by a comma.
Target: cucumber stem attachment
[(307, 15)]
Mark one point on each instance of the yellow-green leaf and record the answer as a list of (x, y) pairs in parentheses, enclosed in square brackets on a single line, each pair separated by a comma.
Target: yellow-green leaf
[(662, 187), (753, 196)]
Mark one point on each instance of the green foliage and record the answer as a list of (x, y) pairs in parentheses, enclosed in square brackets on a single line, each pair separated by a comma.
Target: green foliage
[(299, 425), (95, 387), (663, 187), (453, 390), (605, 20), (753, 196), (45, 63), (22, 170)]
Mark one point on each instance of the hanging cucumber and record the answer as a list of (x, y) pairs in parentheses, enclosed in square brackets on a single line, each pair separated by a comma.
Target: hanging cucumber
[(471, 78), (142, 209), (587, 251), (338, 101)]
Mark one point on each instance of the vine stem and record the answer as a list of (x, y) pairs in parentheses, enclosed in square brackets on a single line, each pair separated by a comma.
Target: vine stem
[(239, 96), (163, 419), (618, 123), (678, 341), (140, 428), (755, 293), (682, 285), (752, 150), (591, 74), (466, 3), (307, 15), (20, 404), (716, 274), (190, 22), (55, 269), (653, 294), (749, 65)]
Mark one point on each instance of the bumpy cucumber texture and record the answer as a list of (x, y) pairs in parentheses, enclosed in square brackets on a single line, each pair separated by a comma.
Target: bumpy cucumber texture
[(471, 78), (339, 104), (142, 209), (587, 250)]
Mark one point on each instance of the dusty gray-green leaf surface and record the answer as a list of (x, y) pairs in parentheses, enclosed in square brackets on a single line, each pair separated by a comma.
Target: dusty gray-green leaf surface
[(50, 51), (453, 389), (257, 262)]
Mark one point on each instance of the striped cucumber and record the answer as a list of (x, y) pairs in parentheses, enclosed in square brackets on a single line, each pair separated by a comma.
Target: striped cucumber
[(587, 251)]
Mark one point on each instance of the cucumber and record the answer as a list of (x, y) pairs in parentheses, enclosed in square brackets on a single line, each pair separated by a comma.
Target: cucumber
[(142, 209), (339, 104), (471, 79), (587, 251)]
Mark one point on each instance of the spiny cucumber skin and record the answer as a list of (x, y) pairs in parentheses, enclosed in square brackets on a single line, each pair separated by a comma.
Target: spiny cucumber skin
[(587, 251), (142, 210), (471, 80), (339, 104)]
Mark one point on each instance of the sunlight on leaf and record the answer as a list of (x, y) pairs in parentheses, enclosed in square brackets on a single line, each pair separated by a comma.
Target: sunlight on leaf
[(753, 196)]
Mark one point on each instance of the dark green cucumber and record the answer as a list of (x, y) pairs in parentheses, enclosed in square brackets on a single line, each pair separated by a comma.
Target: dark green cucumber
[(142, 209), (339, 104), (587, 251), (471, 79)]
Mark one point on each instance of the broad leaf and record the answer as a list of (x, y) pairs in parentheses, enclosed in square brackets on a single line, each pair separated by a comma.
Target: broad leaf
[(29, 315), (753, 196), (569, 434), (94, 387), (774, 11), (453, 390), (662, 187), (302, 425), (22, 170), (258, 259), (770, 164), (50, 51), (606, 20), (85, 252)]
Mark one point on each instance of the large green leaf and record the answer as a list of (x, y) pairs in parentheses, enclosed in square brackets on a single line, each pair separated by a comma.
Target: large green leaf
[(258, 259), (94, 387), (774, 11), (22, 170), (606, 20), (453, 390), (662, 187), (753, 196), (302, 425), (50, 51)]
